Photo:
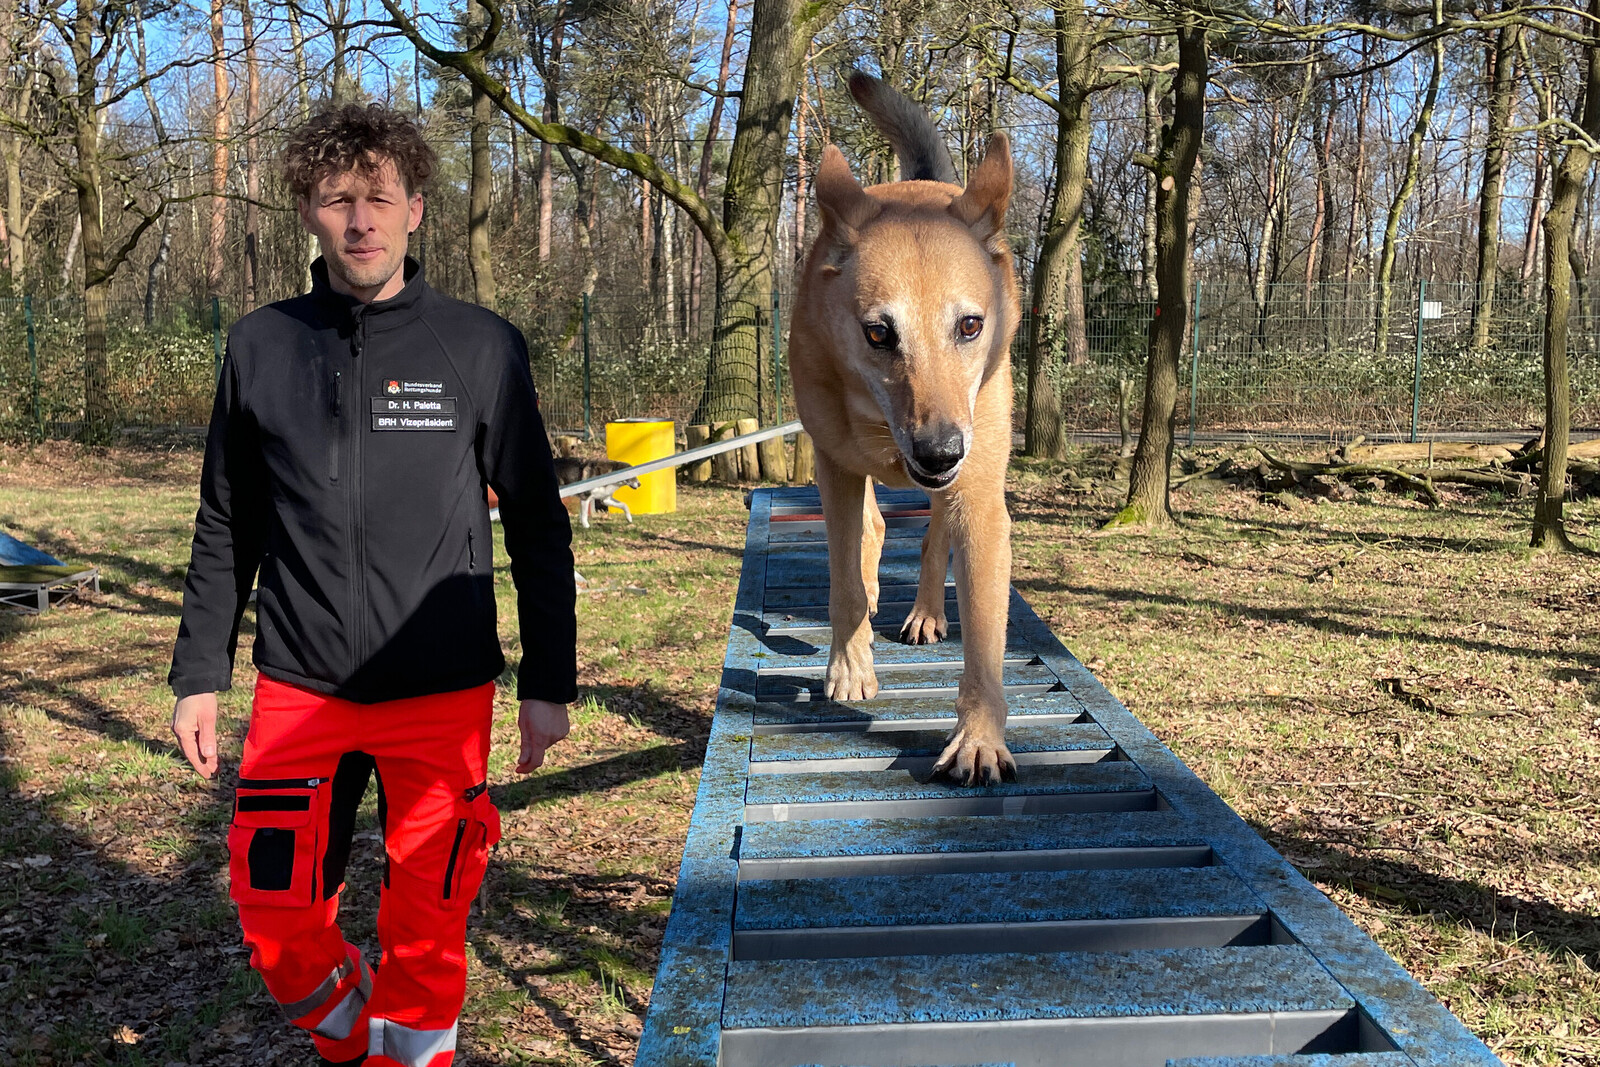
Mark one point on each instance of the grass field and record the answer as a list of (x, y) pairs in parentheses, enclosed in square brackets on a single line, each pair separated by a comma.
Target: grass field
[(1405, 702)]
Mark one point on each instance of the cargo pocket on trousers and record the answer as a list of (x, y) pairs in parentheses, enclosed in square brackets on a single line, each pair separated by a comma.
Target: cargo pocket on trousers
[(276, 840), (477, 831)]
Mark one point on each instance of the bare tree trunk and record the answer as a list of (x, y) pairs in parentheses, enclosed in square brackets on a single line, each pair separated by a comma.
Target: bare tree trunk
[(1502, 63), (1323, 137), (703, 179), (252, 162), (802, 181), (20, 105), (1053, 274), (1402, 196), (780, 34), (218, 234), (550, 74), (158, 263), (344, 89), (1358, 189), (479, 202), (302, 84), (1149, 482), (1152, 145), (1572, 173), (1530, 243)]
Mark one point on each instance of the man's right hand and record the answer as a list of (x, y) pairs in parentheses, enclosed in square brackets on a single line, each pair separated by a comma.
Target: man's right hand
[(194, 724)]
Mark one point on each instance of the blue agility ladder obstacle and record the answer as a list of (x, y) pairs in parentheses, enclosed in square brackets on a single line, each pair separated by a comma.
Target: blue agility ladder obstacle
[(836, 907)]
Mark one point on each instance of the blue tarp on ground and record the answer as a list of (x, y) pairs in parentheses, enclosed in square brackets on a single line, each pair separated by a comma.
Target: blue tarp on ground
[(14, 553)]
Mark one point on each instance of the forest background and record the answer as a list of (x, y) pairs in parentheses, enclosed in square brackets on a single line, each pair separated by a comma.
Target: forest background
[(1363, 196)]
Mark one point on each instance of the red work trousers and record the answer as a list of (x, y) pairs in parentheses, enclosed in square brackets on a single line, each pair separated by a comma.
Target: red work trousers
[(306, 763)]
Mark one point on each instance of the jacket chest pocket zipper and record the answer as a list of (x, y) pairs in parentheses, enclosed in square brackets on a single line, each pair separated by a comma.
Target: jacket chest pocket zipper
[(336, 409), (472, 554)]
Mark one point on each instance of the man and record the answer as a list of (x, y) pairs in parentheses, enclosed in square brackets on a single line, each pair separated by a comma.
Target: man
[(354, 432)]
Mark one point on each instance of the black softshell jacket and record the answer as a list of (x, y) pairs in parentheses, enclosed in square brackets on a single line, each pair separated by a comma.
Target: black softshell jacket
[(348, 453)]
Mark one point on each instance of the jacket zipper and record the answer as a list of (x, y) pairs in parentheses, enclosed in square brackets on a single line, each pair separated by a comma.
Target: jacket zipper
[(357, 642), (336, 409), (357, 481), (472, 553), (455, 853)]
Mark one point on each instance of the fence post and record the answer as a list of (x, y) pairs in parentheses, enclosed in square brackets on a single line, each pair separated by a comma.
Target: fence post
[(777, 357), (1194, 365), (588, 392), (33, 366), (216, 338), (1416, 374)]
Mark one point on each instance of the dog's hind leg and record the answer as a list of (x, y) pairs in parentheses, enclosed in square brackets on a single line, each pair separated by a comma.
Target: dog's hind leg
[(926, 625), (850, 675), (872, 534), (584, 504), (981, 535)]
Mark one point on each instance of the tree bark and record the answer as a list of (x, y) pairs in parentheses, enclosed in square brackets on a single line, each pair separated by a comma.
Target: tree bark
[(1358, 168), (252, 162), (550, 74), (1571, 174), (1053, 274), (1322, 135), (480, 194), (780, 34), (86, 181), (703, 178), (1502, 61), (1402, 196), (1152, 145), (1149, 488), (217, 235)]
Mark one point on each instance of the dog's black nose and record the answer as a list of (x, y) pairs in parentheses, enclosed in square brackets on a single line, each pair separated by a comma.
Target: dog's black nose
[(938, 448)]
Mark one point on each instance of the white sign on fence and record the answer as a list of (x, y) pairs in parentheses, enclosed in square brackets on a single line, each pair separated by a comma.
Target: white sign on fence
[(1433, 309)]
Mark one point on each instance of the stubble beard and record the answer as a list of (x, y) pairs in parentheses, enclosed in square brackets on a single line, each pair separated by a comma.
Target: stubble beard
[(366, 275)]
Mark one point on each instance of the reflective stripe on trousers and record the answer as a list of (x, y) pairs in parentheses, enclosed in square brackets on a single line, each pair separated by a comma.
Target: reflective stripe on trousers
[(338, 1023), (413, 1048)]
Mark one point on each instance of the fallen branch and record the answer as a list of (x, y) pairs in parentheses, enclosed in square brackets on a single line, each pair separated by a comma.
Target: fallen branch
[(1421, 484)]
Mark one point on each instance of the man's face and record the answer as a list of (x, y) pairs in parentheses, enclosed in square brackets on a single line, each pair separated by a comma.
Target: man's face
[(362, 223)]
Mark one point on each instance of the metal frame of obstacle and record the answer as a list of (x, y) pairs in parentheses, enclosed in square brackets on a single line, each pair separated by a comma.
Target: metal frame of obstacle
[(837, 907)]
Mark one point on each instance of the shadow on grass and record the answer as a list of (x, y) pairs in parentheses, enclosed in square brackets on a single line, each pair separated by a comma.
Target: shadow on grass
[(102, 948), (574, 939), (1312, 619), (1394, 883)]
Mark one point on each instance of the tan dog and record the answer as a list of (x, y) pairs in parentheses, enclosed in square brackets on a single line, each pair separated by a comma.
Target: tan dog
[(900, 352)]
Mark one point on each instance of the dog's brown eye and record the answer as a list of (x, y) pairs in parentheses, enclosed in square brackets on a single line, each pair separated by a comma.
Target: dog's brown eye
[(970, 326), (878, 334)]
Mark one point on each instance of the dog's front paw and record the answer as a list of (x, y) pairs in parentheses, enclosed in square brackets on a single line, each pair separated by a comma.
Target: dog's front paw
[(850, 674), (923, 627), (976, 755)]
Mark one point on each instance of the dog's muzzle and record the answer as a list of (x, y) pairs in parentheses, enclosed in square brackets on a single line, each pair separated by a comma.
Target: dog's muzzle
[(936, 454)]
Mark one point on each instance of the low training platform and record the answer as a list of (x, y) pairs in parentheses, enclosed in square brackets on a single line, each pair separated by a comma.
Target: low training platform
[(33, 588), (838, 907)]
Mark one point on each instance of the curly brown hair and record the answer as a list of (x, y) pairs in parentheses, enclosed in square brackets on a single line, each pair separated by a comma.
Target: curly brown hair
[(356, 137)]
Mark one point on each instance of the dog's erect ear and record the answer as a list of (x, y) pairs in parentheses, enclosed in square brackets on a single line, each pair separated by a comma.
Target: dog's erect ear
[(845, 206), (982, 205)]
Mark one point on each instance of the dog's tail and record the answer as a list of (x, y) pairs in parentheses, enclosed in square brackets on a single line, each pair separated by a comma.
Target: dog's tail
[(916, 142)]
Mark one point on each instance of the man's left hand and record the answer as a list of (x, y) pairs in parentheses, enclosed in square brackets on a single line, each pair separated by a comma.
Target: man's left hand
[(541, 724)]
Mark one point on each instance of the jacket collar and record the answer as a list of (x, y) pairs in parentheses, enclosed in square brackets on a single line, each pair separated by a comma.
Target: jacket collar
[(380, 314)]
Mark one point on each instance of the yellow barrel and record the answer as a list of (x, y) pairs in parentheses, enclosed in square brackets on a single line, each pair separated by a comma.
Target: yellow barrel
[(639, 441)]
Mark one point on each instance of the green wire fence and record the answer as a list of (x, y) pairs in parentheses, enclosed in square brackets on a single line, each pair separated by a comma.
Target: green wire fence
[(1287, 360)]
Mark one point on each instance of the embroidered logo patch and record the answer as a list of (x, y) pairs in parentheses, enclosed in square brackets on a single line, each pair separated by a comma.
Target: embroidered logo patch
[(392, 387)]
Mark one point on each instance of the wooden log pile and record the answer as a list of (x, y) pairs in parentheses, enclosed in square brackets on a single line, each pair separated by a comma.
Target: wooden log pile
[(1358, 467)]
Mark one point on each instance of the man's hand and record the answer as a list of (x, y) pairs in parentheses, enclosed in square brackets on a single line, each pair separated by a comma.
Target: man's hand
[(194, 724), (541, 724)]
